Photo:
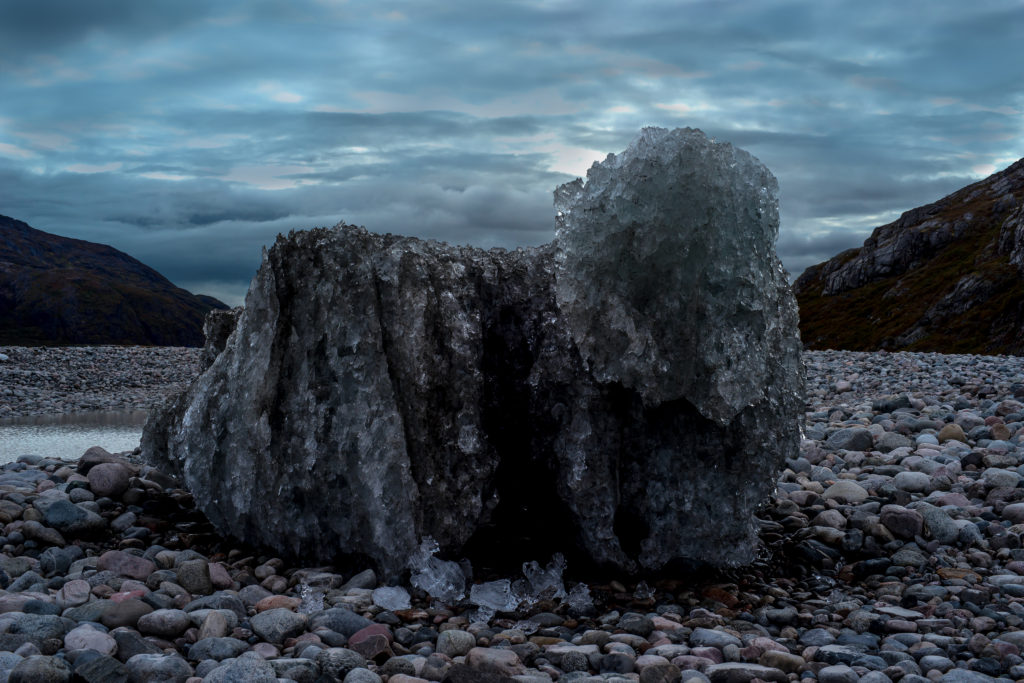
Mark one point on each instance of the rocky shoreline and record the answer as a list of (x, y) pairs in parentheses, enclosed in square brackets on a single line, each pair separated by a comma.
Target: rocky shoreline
[(891, 552)]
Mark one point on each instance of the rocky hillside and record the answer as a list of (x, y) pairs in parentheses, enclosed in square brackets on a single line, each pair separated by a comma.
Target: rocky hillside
[(57, 291), (945, 277)]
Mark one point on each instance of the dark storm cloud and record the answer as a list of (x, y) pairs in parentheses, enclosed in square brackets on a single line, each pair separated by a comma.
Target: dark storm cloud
[(190, 133), (28, 28)]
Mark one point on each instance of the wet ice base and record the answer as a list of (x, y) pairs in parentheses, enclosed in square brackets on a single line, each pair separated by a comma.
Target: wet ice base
[(445, 581)]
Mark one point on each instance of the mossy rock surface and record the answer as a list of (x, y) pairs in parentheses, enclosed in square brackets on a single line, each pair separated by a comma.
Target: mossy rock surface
[(945, 277)]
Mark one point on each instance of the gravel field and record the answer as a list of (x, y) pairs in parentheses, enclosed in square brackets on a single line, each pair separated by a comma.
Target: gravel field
[(892, 551), (44, 380)]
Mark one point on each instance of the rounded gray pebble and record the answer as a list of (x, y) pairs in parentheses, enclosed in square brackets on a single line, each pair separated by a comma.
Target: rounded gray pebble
[(243, 670), (455, 642), (362, 676), (339, 661), (40, 669)]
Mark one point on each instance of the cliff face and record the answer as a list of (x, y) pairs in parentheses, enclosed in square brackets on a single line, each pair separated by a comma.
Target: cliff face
[(946, 277), (56, 290)]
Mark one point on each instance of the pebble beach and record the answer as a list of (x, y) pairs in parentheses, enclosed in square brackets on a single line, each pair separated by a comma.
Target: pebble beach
[(54, 380), (891, 551)]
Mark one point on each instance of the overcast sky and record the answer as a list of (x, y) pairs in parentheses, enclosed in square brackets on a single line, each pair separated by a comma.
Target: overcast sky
[(189, 133)]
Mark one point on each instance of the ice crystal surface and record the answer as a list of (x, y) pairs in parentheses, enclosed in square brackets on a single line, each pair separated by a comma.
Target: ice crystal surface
[(391, 598), (441, 579), (492, 597), (546, 582), (312, 600), (579, 598)]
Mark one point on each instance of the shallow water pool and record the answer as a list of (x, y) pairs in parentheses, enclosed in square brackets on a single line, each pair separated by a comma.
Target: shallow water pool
[(68, 436)]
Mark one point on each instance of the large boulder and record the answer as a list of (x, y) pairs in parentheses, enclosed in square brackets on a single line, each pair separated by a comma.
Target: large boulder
[(629, 391)]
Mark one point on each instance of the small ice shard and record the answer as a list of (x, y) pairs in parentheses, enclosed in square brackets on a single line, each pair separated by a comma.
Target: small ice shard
[(496, 596), (481, 615), (527, 626), (438, 578), (523, 593), (312, 599), (391, 598), (546, 582), (579, 598)]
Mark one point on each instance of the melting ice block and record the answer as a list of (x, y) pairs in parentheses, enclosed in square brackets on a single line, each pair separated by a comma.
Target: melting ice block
[(391, 598), (546, 582), (496, 596), (640, 375), (441, 579)]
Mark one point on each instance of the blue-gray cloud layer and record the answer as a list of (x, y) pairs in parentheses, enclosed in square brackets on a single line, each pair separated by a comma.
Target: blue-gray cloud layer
[(190, 133)]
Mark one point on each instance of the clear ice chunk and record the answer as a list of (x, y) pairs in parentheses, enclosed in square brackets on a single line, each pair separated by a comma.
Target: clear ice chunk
[(312, 599), (437, 578), (391, 598), (496, 596), (546, 582), (527, 626), (579, 598), (643, 591), (523, 593)]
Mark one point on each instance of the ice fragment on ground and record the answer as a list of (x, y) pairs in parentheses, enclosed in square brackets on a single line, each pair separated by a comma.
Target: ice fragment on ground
[(522, 593), (312, 599), (391, 598), (579, 598), (496, 596), (438, 578), (546, 582)]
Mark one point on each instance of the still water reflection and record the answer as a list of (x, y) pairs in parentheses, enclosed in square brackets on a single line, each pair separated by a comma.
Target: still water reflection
[(68, 436)]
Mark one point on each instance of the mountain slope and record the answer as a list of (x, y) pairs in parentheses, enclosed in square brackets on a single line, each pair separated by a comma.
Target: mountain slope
[(56, 290), (946, 277)]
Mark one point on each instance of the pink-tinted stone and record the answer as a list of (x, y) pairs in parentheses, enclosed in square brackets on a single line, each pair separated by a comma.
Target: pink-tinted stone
[(372, 646), (644, 661), (219, 576), (215, 625), (766, 644), (126, 613), (102, 590), (692, 662), (133, 585), (15, 602), (958, 499), (505, 662), (663, 624), (73, 593), (125, 564), (278, 602), (166, 623), (109, 479), (121, 596), (372, 630), (1014, 512), (266, 650), (712, 653), (900, 626)]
